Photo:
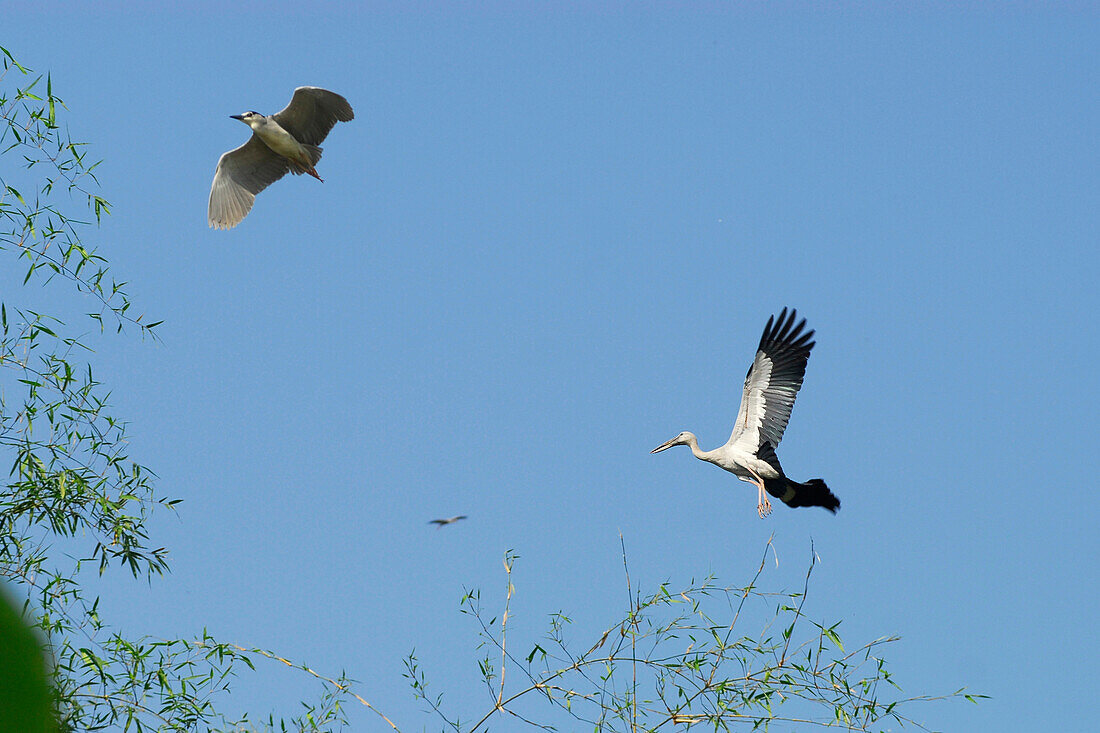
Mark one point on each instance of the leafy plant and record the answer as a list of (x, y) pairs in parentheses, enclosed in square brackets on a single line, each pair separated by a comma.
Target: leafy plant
[(26, 701), (717, 656), (74, 500)]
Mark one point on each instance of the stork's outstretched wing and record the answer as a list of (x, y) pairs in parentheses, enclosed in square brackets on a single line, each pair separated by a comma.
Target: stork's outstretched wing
[(312, 113), (772, 383)]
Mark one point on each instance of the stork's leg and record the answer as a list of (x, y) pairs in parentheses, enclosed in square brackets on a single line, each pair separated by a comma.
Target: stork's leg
[(313, 172), (763, 506)]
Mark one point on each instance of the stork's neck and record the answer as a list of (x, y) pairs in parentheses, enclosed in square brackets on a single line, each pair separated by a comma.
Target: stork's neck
[(710, 456), (693, 443)]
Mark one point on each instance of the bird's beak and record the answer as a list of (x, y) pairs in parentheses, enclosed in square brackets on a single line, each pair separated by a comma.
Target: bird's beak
[(237, 117), (664, 446)]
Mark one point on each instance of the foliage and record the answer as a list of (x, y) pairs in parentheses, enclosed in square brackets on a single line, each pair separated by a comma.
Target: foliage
[(72, 490), (26, 702), (681, 659)]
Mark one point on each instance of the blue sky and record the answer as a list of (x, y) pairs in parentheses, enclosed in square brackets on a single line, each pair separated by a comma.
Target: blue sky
[(549, 242)]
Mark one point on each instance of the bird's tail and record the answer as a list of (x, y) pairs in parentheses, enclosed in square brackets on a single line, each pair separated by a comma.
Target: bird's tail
[(297, 167), (314, 153), (812, 493)]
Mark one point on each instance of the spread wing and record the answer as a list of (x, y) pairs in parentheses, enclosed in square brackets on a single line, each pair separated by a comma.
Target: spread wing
[(450, 520), (312, 113), (772, 383), (241, 174)]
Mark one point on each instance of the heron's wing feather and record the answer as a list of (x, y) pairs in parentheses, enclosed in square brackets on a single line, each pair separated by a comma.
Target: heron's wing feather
[(241, 174), (772, 383), (312, 113)]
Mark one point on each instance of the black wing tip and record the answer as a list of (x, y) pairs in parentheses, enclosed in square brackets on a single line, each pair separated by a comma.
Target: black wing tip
[(781, 329), (813, 493), (822, 496)]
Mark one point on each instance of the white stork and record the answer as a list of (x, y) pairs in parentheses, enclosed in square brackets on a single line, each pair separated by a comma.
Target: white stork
[(771, 385)]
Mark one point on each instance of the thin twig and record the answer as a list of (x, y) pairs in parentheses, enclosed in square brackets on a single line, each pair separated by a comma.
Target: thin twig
[(339, 686), (634, 609), (504, 628), (798, 611)]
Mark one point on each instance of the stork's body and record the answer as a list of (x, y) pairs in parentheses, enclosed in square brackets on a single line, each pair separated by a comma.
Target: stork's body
[(744, 466), (770, 388)]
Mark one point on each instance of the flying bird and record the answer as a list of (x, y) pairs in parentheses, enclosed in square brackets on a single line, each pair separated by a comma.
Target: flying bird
[(285, 141), (771, 385), (450, 520)]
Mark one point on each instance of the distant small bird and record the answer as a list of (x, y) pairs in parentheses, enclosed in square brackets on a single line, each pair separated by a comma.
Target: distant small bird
[(771, 385), (451, 520), (285, 141)]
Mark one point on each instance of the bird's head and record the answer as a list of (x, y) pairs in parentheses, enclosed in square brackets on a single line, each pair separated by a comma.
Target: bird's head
[(684, 438), (249, 118)]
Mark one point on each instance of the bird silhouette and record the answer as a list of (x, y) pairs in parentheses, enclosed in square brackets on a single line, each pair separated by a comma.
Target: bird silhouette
[(449, 520)]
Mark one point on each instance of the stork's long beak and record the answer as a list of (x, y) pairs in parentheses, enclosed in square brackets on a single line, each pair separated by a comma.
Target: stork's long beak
[(237, 117), (665, 446)]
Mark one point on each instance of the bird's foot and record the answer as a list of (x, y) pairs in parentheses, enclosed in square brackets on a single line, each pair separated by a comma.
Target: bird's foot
[(764, 508), (313, 172)]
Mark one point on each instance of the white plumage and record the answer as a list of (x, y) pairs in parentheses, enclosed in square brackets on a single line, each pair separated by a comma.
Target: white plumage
[(771, 386)]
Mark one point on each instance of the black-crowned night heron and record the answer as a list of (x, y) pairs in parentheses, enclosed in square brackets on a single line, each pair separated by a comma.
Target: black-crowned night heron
[(285, 141)]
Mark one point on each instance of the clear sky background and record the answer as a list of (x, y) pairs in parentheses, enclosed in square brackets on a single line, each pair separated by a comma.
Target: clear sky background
[(549, 242)]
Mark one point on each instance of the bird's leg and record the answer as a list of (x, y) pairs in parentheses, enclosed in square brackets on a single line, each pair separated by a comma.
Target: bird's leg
[(763, 506), (313, 172)]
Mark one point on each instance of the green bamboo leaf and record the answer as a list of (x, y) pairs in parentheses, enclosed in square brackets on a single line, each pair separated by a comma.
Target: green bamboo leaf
[(833, 637), (49, 96), (13, 61)]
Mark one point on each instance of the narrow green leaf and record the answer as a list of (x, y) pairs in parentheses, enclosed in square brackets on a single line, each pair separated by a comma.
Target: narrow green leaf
[(832, 635)]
